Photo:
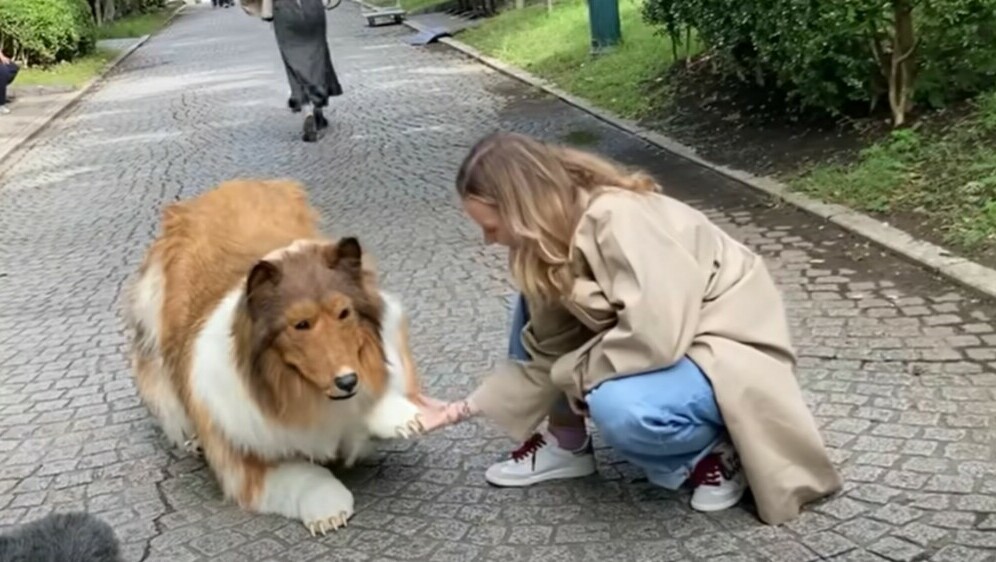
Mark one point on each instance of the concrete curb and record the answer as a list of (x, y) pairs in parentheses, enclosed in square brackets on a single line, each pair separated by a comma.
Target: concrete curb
[(43, 121), (925, 254)]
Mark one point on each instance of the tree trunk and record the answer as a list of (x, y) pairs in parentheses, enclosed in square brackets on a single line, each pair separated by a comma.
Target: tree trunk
[(95, 10), (903, 63)]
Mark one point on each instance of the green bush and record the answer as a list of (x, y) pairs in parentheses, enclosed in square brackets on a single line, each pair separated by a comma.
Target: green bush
[(44, 32), (129, 7), (107, 11), (821, 54)]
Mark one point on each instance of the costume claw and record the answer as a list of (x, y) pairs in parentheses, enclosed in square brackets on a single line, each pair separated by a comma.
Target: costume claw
[(192, 445), (325, 526), (410, 429)]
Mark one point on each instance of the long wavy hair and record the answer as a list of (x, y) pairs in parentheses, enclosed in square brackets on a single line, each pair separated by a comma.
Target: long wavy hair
[(540, 191)]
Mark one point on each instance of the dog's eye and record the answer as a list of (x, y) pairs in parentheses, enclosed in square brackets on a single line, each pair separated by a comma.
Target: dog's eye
[(302, 325), (344, 314)]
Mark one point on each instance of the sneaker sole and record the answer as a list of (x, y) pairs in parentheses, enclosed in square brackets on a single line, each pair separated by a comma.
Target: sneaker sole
[(558, 474), (709, 508)]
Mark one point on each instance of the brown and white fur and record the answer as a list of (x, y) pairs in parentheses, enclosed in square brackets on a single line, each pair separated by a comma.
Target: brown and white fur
[(270, 347)]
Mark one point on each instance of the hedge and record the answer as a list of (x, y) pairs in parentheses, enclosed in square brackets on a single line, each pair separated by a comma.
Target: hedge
[(43, 32), (835, 53), (109, 10)]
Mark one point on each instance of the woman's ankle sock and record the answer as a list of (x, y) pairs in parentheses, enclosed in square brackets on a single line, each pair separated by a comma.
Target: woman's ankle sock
[(569, 437)]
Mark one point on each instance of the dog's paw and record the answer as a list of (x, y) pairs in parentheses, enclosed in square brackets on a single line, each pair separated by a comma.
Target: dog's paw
[(412, 428), (327, 508), (395, 417), (323, 526), (193, 446)]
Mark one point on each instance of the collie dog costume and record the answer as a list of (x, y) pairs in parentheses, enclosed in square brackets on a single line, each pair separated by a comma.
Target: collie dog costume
[(269, 347)]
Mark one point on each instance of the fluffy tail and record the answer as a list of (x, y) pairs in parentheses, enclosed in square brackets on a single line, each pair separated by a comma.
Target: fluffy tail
[(143, 308)]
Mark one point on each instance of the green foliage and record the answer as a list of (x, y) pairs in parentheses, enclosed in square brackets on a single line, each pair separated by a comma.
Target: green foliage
[(957, 52), (46, 31), (130, 7), (135, 25), (820, 52), (73, 74), (946, 178), (556, 45)]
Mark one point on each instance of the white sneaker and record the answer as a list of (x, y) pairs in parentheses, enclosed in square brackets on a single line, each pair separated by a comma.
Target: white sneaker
[(540, 459), (719, 480), (4, 110)]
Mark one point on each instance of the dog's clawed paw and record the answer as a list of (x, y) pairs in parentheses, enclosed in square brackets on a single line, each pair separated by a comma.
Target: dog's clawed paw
[(193, 446), (395, 417), (326, 507), (411, 429), (323, 526)]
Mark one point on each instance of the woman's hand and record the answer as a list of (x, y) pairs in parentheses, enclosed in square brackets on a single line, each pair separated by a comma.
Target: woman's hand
[(425, 401), (436, 418), (436, 414)]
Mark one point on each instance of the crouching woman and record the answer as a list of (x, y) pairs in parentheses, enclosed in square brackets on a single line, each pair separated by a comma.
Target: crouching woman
[(637, 313)]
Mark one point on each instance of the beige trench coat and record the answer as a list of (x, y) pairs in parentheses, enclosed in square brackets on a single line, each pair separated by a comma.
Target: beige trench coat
[(656, 281)]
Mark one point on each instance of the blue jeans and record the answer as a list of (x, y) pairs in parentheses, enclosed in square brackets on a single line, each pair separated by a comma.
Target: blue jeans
[(8, 72), (662, 421)]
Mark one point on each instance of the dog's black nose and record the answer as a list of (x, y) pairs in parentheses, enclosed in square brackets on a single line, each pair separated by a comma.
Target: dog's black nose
[(347, 382)]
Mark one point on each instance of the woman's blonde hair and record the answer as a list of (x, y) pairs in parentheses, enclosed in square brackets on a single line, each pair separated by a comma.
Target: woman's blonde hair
[(540, 191)]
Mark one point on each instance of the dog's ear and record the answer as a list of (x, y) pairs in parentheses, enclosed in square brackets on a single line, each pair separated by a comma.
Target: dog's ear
[(350, 253), (346, 255), (263, 278), (263, 273)]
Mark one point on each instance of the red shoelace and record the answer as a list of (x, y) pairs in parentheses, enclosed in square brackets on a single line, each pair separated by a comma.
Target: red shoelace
[(712, 470), (709, 472), (528, 448)]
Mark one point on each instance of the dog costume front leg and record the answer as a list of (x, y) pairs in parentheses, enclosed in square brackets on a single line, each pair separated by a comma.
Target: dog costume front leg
[(306, 492), (295, 489)]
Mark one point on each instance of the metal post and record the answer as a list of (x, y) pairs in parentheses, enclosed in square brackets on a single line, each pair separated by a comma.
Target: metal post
[(603, 16)]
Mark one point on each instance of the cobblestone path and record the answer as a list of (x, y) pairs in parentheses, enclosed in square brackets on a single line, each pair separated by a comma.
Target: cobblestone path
[(899, 368)]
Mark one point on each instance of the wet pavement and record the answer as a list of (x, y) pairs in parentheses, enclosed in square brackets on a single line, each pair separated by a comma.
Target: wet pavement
[(899, 367)]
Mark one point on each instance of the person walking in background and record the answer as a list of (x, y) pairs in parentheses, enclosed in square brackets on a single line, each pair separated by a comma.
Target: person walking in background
[(300, 28), (8, 71)]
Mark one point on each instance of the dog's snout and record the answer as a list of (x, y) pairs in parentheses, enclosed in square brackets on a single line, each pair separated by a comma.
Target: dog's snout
[(346, 382)]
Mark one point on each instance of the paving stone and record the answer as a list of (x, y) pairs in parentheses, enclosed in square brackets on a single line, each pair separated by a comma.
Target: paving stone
[(858, 555), (786, 552), (921, 534), (954, 520), (863, 530), (896, 514), (829, 544), (959, 553), (897, 550), (898, 366)]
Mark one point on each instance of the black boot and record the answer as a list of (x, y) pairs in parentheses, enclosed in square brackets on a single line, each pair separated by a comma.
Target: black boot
[(294, 105), (310, 133), (320, 121)]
